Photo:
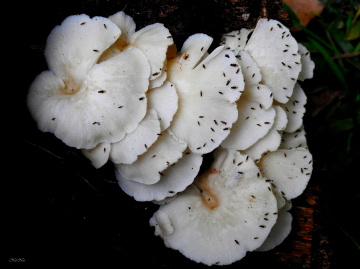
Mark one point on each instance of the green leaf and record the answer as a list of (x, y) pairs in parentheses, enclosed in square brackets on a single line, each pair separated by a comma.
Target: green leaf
[(354, 32), (315, 36), (349, 22), (335, 68), (340, 39), (357, 48), (297, 23)]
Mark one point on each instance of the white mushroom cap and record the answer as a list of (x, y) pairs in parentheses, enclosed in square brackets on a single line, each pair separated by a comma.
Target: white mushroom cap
[(254, 90), (295, 109), (147, 169), (192, 51), (161, 109), (253, 123), (275, 51), (307, 65), (249, 68), (164, 201), (74, 47), (174, 179), (289, 170), (271, 141), (98, 155), (236, 40), (126, 24), (84, 103), (280, 198), (282, 227), (164, 100), (295, 139), (162, 105), (280, 230), (159, 81), (127, 150), (153, 40), (227, 212), (204, 89)]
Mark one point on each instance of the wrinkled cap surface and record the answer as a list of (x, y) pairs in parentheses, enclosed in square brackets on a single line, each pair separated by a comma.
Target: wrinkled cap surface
[(174, 179), (164, 100), (109, 102), (253, 123), (98, 155), (75, 46), (307, 65), (228, 211), (295, 109), (147, 169), (280, 230), (289, 170), (275, 52), (128, 149), (205, 87), (254, 90), (272, 140), (295, 139), (152, 40)]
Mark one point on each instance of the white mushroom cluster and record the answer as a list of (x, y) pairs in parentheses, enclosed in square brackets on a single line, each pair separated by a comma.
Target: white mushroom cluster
[(128, 97)]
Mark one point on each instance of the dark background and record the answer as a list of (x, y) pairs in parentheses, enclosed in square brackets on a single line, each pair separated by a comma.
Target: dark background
[(61, 210)]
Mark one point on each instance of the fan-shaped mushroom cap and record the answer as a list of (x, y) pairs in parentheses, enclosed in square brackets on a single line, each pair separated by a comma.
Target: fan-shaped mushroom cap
[(127, 150), (164, 100), (204, 89), (98, 155), (295, 109), (249, 68), (254, 90), (147, 169), (74, 47), (161, 109), (271, 141), (228, 211), (126, 24), (192, 51), (275, 52), (293, 140), (307, 65), (84, 103), (159, 81), (280, 230), (280, 198), (289, 170), (174, 179), (253, 123), (153, 40)]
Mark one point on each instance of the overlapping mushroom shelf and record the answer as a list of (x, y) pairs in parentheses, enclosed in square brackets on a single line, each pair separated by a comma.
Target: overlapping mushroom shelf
[(129, 97)]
